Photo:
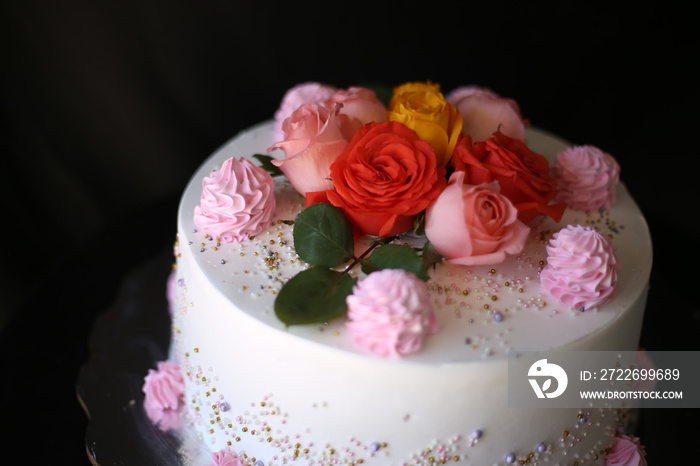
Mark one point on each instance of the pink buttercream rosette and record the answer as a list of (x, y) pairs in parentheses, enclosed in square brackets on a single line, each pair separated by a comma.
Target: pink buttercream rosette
[(390, 313), (164, 389), (582, 268), (225, 458), (237, 201), (626, 451), (586, 178)]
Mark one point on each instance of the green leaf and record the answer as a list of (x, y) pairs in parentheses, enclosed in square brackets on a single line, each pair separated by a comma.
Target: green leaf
[(430, 256), (267, 165), (323, 236), (313, 296), (396, 256)]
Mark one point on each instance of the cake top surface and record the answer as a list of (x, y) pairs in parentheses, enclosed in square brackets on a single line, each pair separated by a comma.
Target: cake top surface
[(482, 309)]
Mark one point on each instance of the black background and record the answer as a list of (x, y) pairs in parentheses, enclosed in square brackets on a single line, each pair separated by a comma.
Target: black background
[(110, 106)]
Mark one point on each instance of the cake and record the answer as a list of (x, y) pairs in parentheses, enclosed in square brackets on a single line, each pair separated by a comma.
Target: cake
[(351, 276)]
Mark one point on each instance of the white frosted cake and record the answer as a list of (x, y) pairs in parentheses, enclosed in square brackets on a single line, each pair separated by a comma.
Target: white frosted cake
[(408, 370)]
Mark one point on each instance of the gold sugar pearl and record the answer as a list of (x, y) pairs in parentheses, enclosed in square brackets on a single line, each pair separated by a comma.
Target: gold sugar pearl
[(494, 298)]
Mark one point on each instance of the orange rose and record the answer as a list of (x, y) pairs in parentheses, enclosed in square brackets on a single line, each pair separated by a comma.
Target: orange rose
[(524, 176), (423, 108), (383, 179)]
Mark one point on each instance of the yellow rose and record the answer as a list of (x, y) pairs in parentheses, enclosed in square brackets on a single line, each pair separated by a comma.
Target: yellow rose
[(423, 108), (413, 87)]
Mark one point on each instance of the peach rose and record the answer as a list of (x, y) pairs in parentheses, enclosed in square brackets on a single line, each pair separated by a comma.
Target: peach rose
[(474, 225), (383, 179), (360, 103), (425, 110), (524, 176), (315, 137), (295, 97), (484, 112)]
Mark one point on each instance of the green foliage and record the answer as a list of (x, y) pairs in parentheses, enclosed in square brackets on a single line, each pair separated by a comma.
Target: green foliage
[(316, 295), (323, 236), (267, 165), (394, 256)]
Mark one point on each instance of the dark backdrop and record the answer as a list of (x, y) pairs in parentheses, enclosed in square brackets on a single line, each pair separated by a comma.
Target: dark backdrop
[(110, 106)]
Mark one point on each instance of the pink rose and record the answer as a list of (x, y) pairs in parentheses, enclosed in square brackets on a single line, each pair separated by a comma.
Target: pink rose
[(474, 225), (390, 313), (582, 268), (237, 201), (164, 390), (315, 138), (360, 103), (484, 112), (626, 451), (225, 458), (295, 97), (586, 178)]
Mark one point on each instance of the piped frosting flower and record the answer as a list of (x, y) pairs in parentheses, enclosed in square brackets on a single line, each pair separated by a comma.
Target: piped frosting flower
[(237, 201), (586, 178), (164, 390), (626, 451), (225, 458), (582, 268), (390, 313)]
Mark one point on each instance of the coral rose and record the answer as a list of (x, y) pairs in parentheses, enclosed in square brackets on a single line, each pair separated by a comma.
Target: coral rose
[(295, 97), (484, 112), (360, 103), (424, 109), (524, 176), (384, 178), (390, 313), (474, 225), (315, 137)]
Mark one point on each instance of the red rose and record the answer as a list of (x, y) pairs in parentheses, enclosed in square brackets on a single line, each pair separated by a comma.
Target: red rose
[(524, 176), (383, 179)]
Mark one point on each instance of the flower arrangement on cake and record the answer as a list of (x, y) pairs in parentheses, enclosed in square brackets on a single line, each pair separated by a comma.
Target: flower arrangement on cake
[(453, 171)]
